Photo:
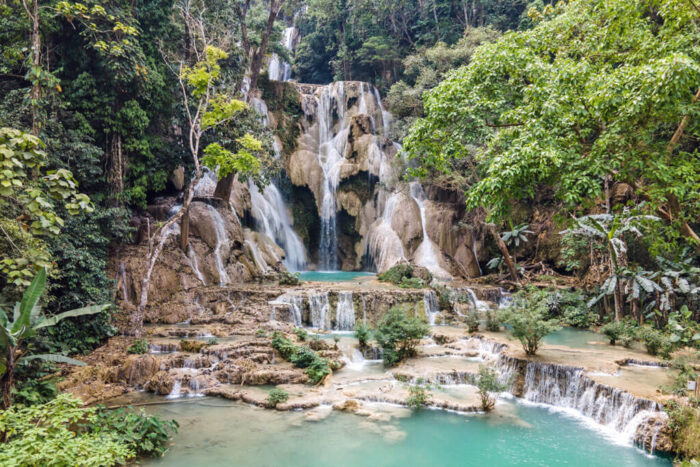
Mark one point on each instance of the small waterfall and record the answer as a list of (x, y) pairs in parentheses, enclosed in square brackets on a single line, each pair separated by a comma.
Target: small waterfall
[(177, 388), (345, 312), (479, 305), (430, 302), (296, 302), (427, 253), (277, 69), (195, 265), (272, 218), (319, 308), (384, 245), (568, 387), (221, 241), (257, 255)]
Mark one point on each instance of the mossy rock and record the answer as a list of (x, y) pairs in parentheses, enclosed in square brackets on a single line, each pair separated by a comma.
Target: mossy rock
[(191, 346)]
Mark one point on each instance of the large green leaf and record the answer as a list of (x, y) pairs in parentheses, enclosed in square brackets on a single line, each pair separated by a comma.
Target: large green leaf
[(29, 299), (88, 310), (49, 357), (6, 339)]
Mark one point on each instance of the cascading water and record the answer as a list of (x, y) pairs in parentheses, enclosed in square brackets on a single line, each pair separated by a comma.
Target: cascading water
[(277, 69), (192, 256), (427, 253), (271, 218), (345, 312), (221, 240), (430, 302), (319, 308), (296, 302)]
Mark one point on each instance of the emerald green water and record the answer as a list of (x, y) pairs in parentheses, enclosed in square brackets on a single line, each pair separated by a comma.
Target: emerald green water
[(333, 276), (576, 338), (217, 432)]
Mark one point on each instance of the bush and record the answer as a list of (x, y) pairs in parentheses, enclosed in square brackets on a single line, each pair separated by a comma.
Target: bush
[(652, 338), (139, 346), (579, 317), (277, 396), (363, 334), (212, 341), (614, 331), (288, 278), (284, 346), (303, 357), (301, 334), (527, 317), (418, 394), (684, 422), (492, 323), (398, 335), (62, 432), (570, 307), (472, 321), (318, 370), (488, 384), (260, 333), (396, 274), (411, 283)]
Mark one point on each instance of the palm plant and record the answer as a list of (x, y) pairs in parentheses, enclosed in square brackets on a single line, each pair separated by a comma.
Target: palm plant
[(515, 237), (609, 229), (27, 320)]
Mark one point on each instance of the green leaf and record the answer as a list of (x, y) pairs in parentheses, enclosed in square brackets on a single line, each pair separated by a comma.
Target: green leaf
[(29, 299), (88, 310)]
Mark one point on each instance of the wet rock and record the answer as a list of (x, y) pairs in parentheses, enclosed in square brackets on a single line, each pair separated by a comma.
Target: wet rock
[(192, 346), (348, 405)]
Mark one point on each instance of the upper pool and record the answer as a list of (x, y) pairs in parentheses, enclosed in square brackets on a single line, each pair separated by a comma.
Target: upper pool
[(333, 276), (576, 338)]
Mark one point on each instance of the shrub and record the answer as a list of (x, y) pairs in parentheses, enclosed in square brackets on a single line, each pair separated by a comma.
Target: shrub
[(147, 434), (62, 432), (398, 335), (614, 331), (363, 334), (260, 333), (684, 422), (472, 321), (284, 346), (488, 384), (318, 370), (139, 346), (277, 396), (528, 321), (303, 357), (411, 283), (579, 317), (301, 334), (652, 338), (288, 278), (492, 323), (212, 341), (418, 394), (396, 274)]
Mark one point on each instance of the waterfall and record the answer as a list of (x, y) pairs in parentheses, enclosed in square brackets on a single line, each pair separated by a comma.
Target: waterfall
[(345, 312), (257, 255), (277, 69), (426, 255), (479, 305), (384, 244), (272, 218), (319, 308), (175, 392), (568, 387), (331, 155), (430, 304), (192, 256), (221, 241), (296, 302)]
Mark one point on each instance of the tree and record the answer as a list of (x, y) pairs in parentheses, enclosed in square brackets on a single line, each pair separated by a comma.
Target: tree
[(30, 196), (594, 92), (488, 384), (398, 335), (528, 319), (26, 322)]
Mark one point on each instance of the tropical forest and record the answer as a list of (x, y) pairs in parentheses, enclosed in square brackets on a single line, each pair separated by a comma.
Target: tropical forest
[(350, 232)]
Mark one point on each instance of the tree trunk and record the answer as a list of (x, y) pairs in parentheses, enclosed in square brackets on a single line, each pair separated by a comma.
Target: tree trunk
[(185, 231), (224, 187), (504, 251), (256, 62), (6, 381), (36, 57)]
